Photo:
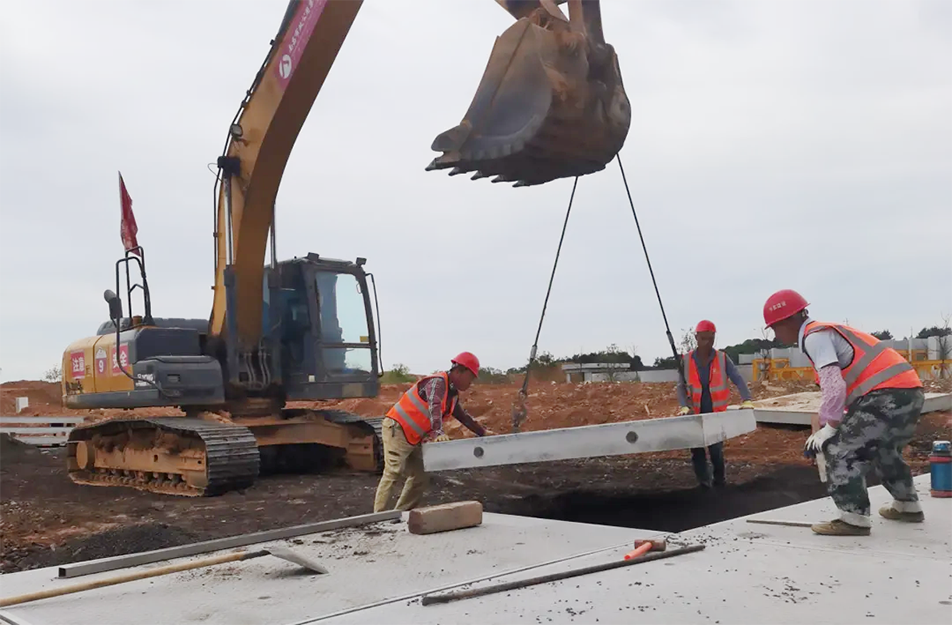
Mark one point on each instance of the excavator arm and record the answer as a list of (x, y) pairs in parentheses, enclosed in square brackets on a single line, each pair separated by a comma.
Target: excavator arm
[(550, 105)]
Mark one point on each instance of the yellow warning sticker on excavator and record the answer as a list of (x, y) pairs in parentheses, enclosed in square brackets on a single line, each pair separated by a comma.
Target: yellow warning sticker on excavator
[(365, 339)]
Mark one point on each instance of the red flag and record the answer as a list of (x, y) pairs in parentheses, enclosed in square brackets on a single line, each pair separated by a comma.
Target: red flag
[(128, 228)]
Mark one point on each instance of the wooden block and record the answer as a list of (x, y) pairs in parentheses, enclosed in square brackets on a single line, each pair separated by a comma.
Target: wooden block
[(445, 517)]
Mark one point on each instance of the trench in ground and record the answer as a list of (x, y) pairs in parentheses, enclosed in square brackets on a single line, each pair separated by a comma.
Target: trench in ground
[(673, 510)]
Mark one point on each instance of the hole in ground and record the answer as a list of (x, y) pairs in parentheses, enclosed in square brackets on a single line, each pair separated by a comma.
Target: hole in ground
[(675, 510)]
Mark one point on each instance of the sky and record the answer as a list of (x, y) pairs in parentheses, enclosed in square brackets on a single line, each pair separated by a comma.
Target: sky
[(781, 144)]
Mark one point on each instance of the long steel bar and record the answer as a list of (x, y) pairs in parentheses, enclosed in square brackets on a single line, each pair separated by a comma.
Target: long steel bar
[(158, 555)]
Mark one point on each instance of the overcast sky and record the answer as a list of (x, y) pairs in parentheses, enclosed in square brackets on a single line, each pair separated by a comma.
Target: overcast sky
[(780, 144)]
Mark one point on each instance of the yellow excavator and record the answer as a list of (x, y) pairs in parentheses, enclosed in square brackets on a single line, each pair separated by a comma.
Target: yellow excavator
[(550, 105)]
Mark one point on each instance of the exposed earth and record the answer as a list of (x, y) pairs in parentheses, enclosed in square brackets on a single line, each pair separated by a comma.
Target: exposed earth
[(45, 519)]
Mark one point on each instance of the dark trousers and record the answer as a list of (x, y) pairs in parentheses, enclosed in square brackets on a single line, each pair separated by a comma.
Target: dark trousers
[(699, 460)]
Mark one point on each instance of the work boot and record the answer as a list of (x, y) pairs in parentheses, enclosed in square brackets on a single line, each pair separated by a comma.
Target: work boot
[(888, 512), (839, 527)]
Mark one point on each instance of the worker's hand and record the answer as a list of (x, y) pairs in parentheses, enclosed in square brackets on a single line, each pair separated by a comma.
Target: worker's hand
[(683, 410), (819, 438), (747, 404), (440, 438), (488, 432)]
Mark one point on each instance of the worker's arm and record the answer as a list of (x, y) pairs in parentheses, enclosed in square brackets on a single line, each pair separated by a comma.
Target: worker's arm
[(833, 395), (466, 419), (682, 391), (435, 389), (736, 378), (819, 347)]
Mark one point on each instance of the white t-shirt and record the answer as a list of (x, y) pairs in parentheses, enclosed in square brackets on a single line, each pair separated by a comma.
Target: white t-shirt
[(826, 347)]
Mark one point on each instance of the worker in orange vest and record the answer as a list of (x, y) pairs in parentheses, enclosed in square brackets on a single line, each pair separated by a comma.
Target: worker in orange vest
[(418, 417), (882, 397), (707, 371)]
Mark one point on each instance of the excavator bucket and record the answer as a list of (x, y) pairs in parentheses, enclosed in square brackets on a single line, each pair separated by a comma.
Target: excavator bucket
[(551, 103)]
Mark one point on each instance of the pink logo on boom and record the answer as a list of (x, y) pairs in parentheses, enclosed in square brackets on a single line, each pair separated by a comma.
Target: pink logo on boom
[(299, 32)]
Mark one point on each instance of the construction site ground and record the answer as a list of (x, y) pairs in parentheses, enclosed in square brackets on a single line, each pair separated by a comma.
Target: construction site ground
[(45, 519)]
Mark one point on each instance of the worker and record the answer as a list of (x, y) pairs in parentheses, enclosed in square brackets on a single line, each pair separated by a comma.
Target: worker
[(881, 395), (707, 371), (418, 417)]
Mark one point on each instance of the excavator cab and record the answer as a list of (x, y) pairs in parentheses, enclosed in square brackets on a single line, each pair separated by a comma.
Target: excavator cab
[(328, 342), (551, 103)]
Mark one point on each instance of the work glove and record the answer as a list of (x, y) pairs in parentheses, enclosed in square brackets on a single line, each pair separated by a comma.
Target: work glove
[(440, 438), (747, 404), (488, 432), (683, 410), (814, 444)]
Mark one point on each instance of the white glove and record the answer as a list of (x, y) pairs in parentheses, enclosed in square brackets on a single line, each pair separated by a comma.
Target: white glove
[(683, 410), (441, 438), (816, 441)]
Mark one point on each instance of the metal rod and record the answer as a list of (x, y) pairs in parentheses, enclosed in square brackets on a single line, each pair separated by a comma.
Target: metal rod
[(135, 559), (274, 237), (482, 578), (553, 577), (786, 523), (230, 233)]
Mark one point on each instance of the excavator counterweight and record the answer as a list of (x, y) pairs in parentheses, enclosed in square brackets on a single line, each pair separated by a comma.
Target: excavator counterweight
[(551, 103)]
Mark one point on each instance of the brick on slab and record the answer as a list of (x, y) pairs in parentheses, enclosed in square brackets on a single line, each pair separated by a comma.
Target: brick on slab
[(445, 517)]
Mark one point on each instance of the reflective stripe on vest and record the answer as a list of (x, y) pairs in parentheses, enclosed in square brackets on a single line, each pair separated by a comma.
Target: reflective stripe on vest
[(717, 381), (413, 413), (874, 364)]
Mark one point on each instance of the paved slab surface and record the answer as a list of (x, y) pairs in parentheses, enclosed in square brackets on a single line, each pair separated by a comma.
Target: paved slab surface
[(610, 439), (799, 408), (747, 574)]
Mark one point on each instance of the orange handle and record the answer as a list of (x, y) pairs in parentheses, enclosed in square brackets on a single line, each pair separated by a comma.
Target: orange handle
[(640, 551)]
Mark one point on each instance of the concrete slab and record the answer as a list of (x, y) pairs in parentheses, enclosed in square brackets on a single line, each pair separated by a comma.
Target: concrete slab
[(366, 565), (799, 408), (610, 439), (746, 574)]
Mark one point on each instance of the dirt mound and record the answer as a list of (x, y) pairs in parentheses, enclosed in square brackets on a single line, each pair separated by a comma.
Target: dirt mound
[(41, 395), (113, 542)]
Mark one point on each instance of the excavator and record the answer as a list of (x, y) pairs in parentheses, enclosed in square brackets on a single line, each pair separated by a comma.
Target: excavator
[(550, 105)]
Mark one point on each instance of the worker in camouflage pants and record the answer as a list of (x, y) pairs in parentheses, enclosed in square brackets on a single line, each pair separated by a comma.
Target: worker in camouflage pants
[(872, 434), (871, 399)]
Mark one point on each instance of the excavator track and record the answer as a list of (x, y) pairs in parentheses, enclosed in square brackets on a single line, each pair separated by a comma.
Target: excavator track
[(370, 423), (171, 455)]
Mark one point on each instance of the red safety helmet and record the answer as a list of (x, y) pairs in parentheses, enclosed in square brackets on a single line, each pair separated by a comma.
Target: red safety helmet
[(469, 361), (783, 305), (705, 326)]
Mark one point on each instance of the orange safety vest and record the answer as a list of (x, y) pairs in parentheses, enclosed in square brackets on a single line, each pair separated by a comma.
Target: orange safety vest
[(720, 392), (874, 365), (413, 413)]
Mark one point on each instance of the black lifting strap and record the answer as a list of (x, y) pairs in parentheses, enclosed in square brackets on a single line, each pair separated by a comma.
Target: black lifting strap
[(519, 411), (667, 329)]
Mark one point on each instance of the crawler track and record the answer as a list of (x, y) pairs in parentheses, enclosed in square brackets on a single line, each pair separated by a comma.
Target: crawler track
[(171, 455)]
